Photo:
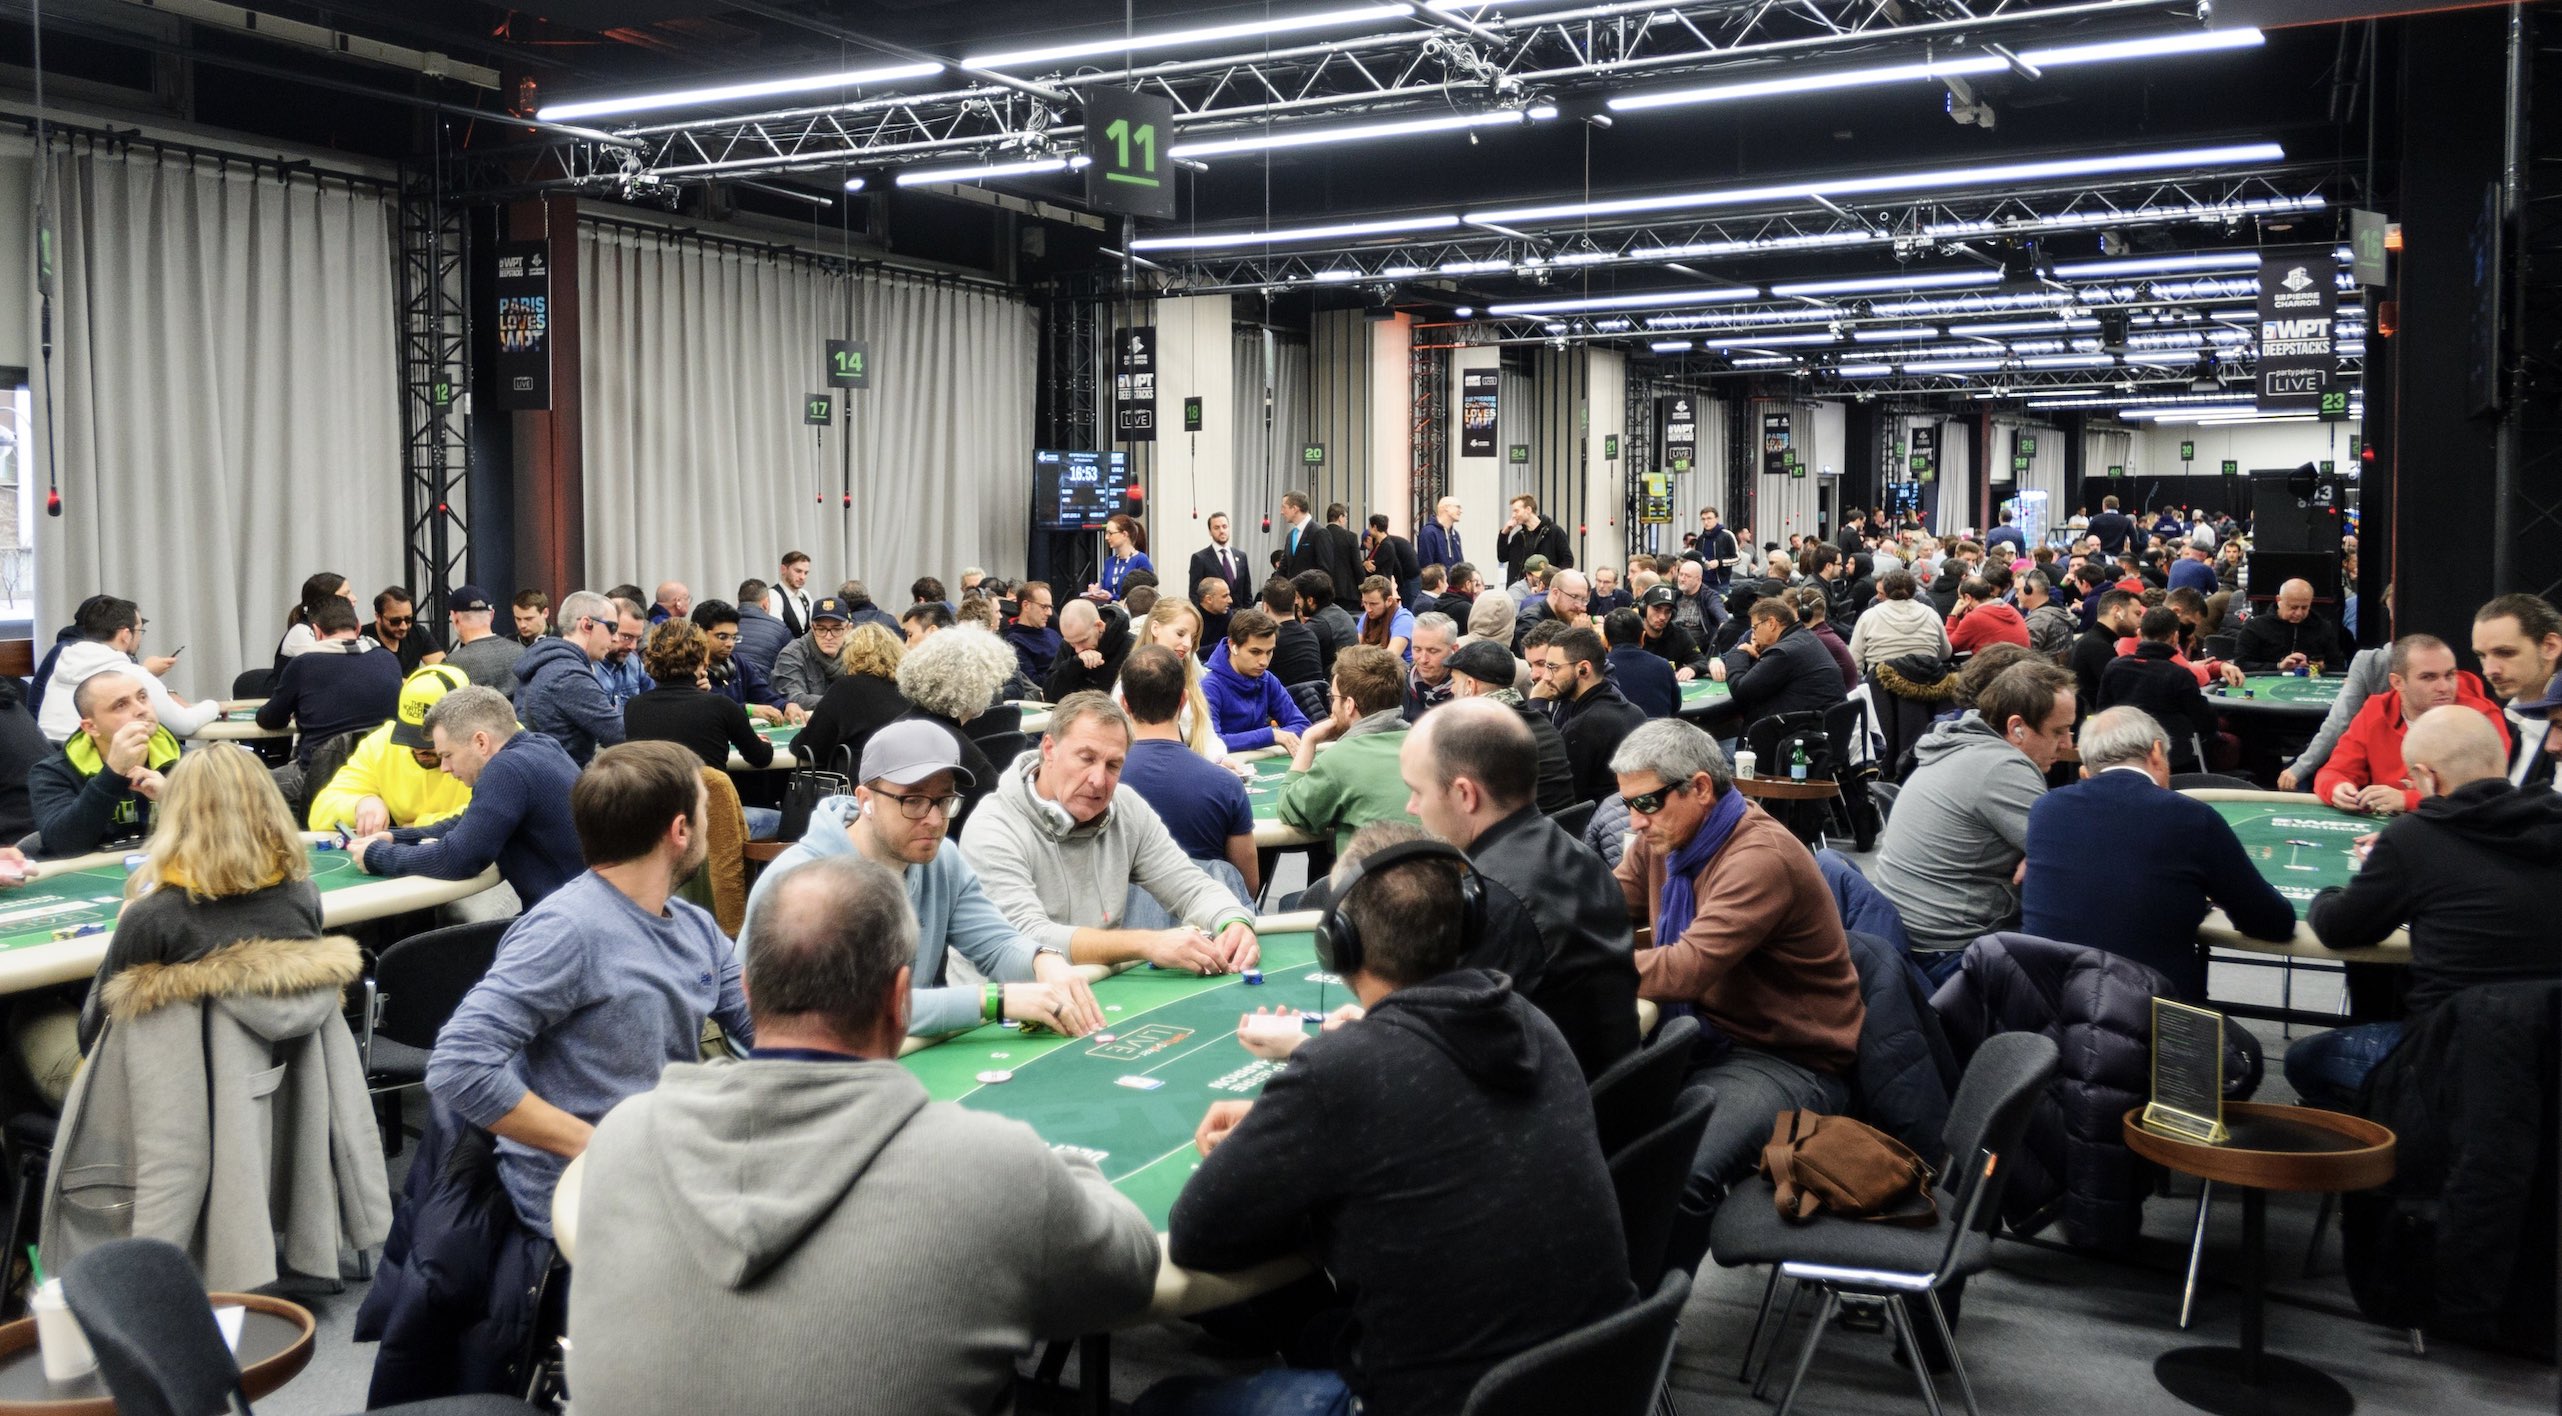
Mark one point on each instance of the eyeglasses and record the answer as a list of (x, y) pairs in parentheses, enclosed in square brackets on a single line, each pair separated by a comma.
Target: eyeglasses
[(916, 806), (724, 636), (1647, 804), (399, 621)]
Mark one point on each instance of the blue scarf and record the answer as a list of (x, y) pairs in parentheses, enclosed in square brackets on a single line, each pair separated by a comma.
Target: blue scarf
[(1678, 902)]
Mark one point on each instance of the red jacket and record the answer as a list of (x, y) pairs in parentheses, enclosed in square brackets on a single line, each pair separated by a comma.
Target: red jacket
[(1989, 623), (2370, 752)]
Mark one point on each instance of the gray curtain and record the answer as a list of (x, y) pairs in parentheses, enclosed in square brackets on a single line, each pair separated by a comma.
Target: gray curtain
[(225, 400), (698, 355), (1274, 420)]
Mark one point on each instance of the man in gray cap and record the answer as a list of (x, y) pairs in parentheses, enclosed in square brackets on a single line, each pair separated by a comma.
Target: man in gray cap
[(1486, 669), (901, 811), (488, 656)]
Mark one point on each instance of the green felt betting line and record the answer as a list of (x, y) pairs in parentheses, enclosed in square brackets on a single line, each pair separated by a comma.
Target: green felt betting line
[(2301, 849)]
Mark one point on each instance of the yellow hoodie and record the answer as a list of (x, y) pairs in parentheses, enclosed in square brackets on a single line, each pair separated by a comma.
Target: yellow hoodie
[(379, 767)]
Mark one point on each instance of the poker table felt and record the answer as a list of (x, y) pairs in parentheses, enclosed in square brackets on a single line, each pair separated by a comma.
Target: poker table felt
[(1703, 695), (1168, 1027), (2279, 693), (781, 735), (1263, 792), (2269, 825)]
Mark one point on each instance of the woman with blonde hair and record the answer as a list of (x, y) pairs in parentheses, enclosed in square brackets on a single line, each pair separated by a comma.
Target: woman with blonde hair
[(224, 864), (1176, 625), (863, 699)]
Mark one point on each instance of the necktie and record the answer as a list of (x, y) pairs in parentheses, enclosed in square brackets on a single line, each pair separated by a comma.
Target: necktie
[(1294, 540), (1226, 571)]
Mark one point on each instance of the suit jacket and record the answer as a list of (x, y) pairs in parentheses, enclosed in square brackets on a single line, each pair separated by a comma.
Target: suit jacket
[(1308, 554), (1434, 546), (1395, 559), (1339, 556), (1205, 566)]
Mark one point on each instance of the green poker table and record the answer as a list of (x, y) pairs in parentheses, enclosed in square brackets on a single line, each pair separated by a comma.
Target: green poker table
[(779, 734), (87, 892), (239, 723), (2278, 695), (1263, 791), (1131, 1104), (1702, 696), (2303, 848)]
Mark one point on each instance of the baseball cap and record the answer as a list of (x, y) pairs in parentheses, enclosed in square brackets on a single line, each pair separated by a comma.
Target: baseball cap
[(830, 608), (1658, 595), (1485, 661), (904, 754), (468, 597), (420, 693), (2544, 702), (1534, 563)]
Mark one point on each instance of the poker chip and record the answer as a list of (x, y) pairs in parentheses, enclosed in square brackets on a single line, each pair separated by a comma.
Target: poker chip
[(134, 863), (1107, 1037), (1254, 976), (995, 1075)]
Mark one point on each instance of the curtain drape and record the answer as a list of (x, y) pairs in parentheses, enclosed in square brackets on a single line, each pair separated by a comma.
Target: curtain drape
[(698, 357), (1269, 368), (225, 400)]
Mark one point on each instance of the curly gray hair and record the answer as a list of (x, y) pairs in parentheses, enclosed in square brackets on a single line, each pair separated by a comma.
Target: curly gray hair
[(956, 673)]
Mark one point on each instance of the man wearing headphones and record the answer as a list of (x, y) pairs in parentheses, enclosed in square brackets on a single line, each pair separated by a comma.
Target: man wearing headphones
[(1747, 935), (910, 780), (1081, 864), (1357, 1142)]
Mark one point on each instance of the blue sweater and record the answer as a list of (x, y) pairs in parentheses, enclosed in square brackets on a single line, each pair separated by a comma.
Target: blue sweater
[(952, 912), (330, 689), (589, 1000), (518, 817), (2197, 575), (1243, 709), (1645, 678), (2118, 864)]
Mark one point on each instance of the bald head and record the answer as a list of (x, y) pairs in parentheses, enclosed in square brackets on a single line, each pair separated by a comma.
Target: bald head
[(2294, 601), (674, 598), (1468, 764), (1080, 623), (2456, 745)]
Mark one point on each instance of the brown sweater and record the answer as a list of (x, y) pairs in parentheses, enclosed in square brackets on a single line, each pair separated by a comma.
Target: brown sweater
[(1764, 960)]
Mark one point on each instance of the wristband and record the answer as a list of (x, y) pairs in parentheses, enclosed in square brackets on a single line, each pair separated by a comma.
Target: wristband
[(992, 1001)]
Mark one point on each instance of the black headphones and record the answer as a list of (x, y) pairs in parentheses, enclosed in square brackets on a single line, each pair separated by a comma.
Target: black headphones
[(1339, 947)]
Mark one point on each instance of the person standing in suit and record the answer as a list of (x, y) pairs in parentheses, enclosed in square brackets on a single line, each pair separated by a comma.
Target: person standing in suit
[(1339, 554), (1438, 542), (1391, 556), (1300, 536), (1220, 561), (791, 593)]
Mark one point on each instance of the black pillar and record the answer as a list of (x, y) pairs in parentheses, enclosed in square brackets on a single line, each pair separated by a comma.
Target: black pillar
[(1860, 473)]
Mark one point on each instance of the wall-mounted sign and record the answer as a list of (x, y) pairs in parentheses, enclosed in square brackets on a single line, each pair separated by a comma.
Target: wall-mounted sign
[(1128, 170), (1609, 447), (2298, 309), (1776, 439), (2115, 470), (1518, 454), (1477, 394)]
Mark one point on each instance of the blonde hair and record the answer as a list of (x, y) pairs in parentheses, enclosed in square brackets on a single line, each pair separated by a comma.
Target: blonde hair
[(1199, 733), (872, 650), (221, 828)]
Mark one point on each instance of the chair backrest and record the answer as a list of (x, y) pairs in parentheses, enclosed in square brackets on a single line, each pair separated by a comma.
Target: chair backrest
[(1573, 819), (1614, 1367), (1992, 1108), (2199, 781), (253, 683), (1633, 1095), (1003, 748), (724, 871), (1314, 698), (326, 760), (423, 978), (160, 1353), (1649, 1175)]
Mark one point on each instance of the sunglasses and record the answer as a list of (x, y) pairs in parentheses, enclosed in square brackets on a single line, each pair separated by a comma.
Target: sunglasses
[(399, 621), (1651, 802)]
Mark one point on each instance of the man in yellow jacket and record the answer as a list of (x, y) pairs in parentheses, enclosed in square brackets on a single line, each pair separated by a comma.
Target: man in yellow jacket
[(393, 777)]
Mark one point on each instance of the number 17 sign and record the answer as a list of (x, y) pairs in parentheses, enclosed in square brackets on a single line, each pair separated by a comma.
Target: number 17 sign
[(1128, 171)]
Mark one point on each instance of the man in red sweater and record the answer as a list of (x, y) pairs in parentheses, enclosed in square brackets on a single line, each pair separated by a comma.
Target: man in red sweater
[(1980, 618), (2365, 772)]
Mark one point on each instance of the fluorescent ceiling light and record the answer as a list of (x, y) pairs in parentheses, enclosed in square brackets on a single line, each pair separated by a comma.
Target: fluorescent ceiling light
[(2024, 326), (1765, 341), (732, 93), (1361, 132), (1917, 280), (1743, 319), (1989, 175), (1861, 371), (1763, 361), (1938, 69), (1880, 336), (1653, 299), (1388, 226), (2068, 361), (1973, 304), (922, 176), (1954, 366), (1205, 34), (1670, 346), (2159, 265)]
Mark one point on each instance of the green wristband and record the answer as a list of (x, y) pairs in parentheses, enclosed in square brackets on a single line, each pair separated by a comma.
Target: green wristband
[(992, 1001)]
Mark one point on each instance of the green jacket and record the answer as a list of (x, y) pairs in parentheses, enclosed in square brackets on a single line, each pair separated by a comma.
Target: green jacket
[(1352, 783)]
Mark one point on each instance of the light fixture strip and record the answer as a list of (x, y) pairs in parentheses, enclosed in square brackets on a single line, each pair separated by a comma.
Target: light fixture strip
[(1202, 34), (733, 93), (1938, 69)]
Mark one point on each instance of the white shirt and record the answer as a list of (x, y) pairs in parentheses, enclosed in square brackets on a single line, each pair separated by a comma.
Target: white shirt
[(80, 659)]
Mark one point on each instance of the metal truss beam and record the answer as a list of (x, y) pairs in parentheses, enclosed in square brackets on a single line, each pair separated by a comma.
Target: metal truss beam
[(434, 356), (1433, 64)]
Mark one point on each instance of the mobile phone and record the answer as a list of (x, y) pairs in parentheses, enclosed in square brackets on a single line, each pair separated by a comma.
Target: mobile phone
[(181, 649)]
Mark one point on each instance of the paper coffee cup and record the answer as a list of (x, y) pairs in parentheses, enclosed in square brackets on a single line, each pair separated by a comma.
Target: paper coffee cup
[(64, 1347)]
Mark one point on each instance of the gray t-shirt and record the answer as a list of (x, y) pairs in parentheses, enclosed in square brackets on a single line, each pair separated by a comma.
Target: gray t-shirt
[(491, 661)]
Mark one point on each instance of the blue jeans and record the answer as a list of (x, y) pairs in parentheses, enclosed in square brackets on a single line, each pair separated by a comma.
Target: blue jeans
[(763, 822), (2329, 1069), (1281, 1391)]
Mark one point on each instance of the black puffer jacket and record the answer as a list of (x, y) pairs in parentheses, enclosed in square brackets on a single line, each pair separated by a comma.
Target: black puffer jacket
[(2462, 1242), (2098, 1008), (1906, 1070)]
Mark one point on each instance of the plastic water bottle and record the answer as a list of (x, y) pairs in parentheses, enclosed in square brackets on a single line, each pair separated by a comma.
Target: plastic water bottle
[(1797, 764)]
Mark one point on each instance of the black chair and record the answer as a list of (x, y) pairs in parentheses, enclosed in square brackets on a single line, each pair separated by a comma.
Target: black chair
[(1315, 698), (1615, 1367), (1003, 748), (253, 683), (28, 1141), (2212, 781), (1895, 1269), (1855, 771), (1573, 819), (416, 985), (160, 1352), (1649, 1175), (1633, 1095)]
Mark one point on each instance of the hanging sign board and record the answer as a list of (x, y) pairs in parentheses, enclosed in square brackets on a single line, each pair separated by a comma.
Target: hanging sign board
[(524, 291), (1775, 439), (1129, 171), (1477, 392), (2298, 308), (1678, 416), (1134, 384), (819, 409)]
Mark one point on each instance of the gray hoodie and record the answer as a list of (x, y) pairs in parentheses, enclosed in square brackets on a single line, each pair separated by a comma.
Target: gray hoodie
[(1958, 833), (788, 1236), (1053, 877)]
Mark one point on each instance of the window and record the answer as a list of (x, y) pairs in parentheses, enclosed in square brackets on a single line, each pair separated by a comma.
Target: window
[(21, 473)]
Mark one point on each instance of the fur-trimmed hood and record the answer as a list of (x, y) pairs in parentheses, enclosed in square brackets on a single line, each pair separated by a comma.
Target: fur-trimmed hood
[(280, 971), (1900, 677)]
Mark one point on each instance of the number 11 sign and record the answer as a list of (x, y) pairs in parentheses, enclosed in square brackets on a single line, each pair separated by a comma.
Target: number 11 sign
[(1126, 136)]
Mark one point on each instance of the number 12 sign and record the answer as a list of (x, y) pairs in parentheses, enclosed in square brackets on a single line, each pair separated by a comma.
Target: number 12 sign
[(1128, 172)]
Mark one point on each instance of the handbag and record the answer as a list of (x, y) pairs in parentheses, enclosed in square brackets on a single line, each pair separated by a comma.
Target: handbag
[(1839, 1166), (802, 792)]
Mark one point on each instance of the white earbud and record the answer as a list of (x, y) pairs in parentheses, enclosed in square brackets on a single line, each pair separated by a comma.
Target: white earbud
[(867, 808)]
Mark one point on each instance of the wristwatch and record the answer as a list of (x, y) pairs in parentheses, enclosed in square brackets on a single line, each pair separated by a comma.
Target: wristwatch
[(1052, 950)]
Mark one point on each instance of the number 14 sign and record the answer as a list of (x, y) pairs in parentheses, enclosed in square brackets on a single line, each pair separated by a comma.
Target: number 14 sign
[(1126, 136)]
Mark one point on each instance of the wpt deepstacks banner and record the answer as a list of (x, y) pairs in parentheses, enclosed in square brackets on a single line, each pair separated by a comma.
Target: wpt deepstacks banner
[(1477, 411), (524, 290), (1678, 416), (1134, 385), (1775, 444), (2298, 335)]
